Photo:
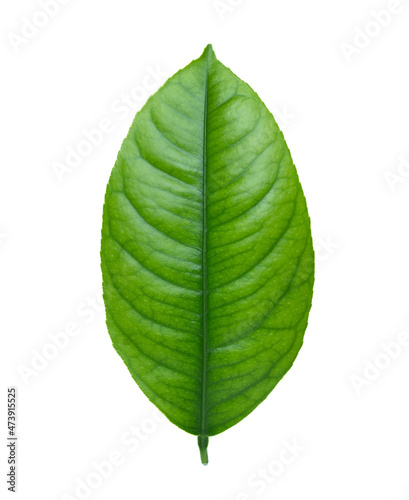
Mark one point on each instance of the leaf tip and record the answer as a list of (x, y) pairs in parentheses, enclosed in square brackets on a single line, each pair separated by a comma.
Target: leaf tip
[(208, 52)]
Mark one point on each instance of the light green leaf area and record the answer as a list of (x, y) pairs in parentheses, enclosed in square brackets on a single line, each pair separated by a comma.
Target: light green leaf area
[(207, 256)]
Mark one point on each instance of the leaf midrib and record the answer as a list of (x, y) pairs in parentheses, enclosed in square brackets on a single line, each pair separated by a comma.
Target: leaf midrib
[(203, 426)]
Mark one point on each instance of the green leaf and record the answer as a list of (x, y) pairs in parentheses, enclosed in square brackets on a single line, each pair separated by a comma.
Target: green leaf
[(207, 257)]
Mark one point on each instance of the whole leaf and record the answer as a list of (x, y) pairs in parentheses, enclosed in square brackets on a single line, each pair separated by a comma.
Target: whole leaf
[(207, 257)]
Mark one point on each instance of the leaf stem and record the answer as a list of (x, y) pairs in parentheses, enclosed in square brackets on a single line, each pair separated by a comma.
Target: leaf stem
[(203, 441)]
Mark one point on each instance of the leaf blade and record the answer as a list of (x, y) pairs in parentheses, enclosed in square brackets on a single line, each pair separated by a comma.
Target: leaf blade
[(206, 249)]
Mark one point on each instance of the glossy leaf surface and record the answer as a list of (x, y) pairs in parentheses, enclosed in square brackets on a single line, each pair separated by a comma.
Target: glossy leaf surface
[(207, 258)]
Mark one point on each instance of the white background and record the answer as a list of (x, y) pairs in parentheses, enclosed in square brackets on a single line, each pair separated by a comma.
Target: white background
[(346, 123)]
